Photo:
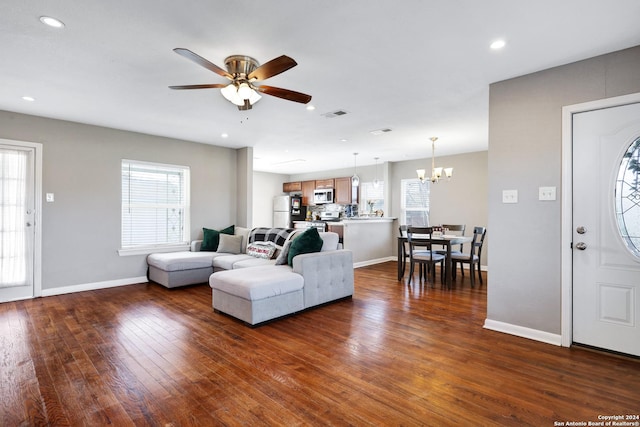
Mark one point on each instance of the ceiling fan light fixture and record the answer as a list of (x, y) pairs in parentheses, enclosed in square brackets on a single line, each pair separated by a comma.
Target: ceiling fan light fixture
[(231, 94), (244, 91), (254, 97)]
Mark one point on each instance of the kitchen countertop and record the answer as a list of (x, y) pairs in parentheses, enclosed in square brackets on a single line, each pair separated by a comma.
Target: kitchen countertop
[(352, 220)]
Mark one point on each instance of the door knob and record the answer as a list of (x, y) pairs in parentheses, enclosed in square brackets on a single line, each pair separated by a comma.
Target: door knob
[(581, 245), (581, 230)]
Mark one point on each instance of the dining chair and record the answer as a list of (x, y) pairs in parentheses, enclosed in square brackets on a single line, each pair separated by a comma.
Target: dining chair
[(458, 230), (472, 257), (417, 240), (405, 249)]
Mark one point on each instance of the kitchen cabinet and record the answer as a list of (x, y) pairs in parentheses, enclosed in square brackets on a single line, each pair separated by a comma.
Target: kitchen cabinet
[(336, 228), (290, 187), (324, 183), (307, 192), (343, 191)]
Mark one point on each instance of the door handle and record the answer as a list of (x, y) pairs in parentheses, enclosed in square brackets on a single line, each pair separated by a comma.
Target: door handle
[(581, 246), (581, 230)]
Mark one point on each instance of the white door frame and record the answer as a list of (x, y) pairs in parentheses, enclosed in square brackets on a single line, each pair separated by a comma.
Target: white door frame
[(566, 276), (37, 244)]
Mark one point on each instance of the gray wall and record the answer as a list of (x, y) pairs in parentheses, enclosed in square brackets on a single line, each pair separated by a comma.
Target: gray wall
[(525, 125), (244, 180), (81, 166)]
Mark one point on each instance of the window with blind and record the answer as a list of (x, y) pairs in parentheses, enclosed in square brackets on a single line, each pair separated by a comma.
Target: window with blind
[(415, 202), (372, 197), (155, 205)]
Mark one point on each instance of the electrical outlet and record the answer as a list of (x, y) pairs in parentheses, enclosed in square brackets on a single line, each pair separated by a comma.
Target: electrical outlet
[(509, 196), (547, 193), (50, 197)]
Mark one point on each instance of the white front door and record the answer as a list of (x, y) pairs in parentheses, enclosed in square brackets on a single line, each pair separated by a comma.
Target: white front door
[(606, 228), (17, 221)]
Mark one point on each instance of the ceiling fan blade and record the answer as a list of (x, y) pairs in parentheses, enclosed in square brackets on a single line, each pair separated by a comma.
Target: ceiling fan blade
[(207, 86), (287, 94), (203, 62), (272, 68)]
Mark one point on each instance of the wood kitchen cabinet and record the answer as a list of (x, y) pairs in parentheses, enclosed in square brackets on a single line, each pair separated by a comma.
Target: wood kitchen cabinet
[(307, 192), (290, 187), (324, 183), (343, 191), (338, 229)]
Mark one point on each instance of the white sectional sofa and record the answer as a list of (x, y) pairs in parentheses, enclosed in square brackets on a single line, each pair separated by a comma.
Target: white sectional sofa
[(257, 290)]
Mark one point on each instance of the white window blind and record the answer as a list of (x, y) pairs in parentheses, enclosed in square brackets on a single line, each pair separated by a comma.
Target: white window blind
[(415, 202), (155, 204), (372, 196)]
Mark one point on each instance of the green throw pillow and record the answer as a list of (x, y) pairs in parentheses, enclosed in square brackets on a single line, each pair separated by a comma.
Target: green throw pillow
[(211, 238), (307, 242)]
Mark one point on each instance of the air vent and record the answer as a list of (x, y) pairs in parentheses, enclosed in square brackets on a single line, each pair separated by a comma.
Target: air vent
[(336, 113), (380, 131)]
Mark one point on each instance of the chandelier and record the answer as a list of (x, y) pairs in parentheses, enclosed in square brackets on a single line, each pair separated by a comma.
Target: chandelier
[(436, 173)]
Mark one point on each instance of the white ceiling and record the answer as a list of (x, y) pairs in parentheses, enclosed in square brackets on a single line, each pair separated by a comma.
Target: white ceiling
[(419, 67)]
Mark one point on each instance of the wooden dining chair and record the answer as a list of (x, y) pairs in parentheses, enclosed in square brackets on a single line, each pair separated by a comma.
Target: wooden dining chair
[(402, 229), (458, 230), (417, 240), (472, 257)]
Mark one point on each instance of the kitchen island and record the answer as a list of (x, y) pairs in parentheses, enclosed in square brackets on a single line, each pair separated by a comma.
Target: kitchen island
[(372, 240)]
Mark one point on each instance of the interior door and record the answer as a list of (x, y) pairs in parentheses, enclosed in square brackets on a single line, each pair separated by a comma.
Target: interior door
[(17, 220), (606, 229)]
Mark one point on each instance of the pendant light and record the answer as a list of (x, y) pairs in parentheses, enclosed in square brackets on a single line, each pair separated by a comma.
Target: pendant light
[(355, 179), (376, 183)]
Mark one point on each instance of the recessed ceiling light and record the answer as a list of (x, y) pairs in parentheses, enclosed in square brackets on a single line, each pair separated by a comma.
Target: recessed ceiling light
[(225, 135), (310, 107), (29, 98), (52, 22), (498, 44)]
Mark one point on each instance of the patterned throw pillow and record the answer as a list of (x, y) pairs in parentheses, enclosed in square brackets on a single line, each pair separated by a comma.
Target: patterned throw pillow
[(264, 250)]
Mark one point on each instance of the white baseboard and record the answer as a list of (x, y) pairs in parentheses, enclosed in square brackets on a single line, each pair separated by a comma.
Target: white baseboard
[(521, 331), (94, 286), (373, 261)]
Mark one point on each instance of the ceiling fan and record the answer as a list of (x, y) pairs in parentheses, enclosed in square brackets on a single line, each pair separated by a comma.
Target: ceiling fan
[(243, 71)]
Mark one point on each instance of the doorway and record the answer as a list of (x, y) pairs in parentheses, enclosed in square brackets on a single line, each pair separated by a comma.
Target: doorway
[(20, 195), (601, 265)]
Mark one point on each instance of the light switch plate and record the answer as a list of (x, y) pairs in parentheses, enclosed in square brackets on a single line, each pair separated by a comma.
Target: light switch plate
[(509, 196), (547, 193), (50, 197)]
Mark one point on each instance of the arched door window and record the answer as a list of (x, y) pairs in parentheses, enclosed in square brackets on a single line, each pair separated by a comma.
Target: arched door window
[(627, 198)]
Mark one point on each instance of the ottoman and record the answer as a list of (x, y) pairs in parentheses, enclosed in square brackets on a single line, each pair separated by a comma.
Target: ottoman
[(257, 294)]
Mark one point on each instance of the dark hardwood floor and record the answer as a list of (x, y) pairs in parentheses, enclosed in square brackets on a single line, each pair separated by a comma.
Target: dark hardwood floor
[(395, 354)]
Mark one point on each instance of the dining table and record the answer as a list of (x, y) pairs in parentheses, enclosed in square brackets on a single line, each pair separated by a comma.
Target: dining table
[(446, 240)]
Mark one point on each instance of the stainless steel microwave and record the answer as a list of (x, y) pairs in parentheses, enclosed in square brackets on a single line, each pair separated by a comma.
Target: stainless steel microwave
[(323, 195)]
